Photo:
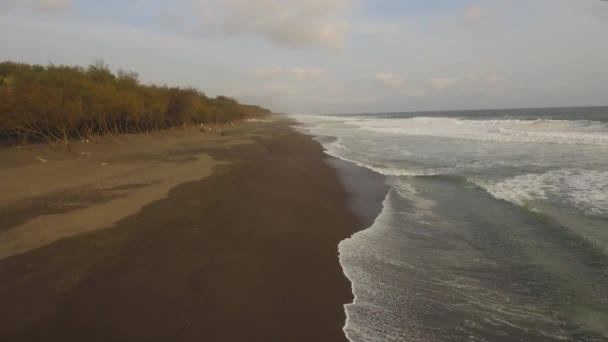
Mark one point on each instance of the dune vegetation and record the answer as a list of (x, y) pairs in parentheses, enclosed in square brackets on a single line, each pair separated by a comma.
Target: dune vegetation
[(57, 103)]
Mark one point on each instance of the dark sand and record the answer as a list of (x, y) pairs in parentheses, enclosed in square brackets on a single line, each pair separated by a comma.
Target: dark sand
[(246, 254)]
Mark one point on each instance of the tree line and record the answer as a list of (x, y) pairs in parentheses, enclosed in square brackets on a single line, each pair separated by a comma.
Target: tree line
[(57, 103)]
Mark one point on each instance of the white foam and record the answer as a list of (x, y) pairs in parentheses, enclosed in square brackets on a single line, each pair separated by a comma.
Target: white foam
[(339, 150), (518, 131), (261, 120), (574, 185), (422, 208), (358, 249), (585, 190), (315, 119)]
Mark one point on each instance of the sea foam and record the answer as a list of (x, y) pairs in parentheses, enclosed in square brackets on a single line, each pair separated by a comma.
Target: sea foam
[(579, 132), (586, 190)]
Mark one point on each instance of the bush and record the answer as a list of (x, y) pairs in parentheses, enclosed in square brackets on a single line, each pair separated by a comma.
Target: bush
[(57, 103)]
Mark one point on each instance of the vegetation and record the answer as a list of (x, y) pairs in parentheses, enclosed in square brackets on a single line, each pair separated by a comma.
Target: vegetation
[(58, 103)]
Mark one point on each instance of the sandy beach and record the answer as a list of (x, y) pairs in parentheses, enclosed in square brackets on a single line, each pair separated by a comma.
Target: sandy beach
[(180, 236)]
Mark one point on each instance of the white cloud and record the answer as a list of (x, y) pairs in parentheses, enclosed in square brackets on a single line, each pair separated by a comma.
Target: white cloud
[(442, 83), (297, 72), (389, 80), (294, 23), (311, 73), (270, 71), (42, 5), (272, 90)]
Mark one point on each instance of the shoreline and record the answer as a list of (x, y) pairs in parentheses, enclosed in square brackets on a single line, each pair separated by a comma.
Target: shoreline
[(368, 192), (254, 245)]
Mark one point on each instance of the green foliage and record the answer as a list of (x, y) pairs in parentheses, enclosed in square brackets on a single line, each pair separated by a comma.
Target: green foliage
[(57, 103)]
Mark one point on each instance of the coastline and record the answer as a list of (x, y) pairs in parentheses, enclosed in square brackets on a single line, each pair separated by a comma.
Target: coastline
[(367, 194), (368, 191), (249, 252)]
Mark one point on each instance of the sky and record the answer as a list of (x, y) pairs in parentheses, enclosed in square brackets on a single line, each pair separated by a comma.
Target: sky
[(332, 56)]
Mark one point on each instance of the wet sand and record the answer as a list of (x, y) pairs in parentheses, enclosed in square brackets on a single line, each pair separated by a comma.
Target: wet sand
[(248, 253)]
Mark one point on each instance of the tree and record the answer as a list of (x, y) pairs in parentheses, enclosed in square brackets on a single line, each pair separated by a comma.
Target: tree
[(56, 103)]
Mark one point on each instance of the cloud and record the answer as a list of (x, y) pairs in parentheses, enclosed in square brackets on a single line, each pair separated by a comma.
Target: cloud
[(50, 5), (474, 13), (272, 90), (416, 92), (297, 72), (270, 71), (442, 83), (171, 18), (271, 95), (312, 73), (293, 23), (389, 80), (495, 79), (42, 5), (453, 55)]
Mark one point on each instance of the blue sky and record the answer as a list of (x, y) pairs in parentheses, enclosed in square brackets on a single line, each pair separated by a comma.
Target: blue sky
[(333, 55)]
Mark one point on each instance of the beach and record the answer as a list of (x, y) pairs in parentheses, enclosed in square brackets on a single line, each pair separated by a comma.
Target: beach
[(182, 236)]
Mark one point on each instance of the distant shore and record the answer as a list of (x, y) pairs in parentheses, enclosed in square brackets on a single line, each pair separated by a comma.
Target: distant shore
[(192, 237)]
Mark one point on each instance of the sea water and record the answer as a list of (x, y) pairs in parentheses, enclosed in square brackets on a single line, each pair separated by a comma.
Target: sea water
[(495, 227)]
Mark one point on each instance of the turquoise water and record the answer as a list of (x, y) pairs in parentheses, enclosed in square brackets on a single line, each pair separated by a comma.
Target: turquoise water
[(495, 227)]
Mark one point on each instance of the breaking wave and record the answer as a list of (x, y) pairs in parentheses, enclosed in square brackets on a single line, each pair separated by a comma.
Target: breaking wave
[(579, 132)]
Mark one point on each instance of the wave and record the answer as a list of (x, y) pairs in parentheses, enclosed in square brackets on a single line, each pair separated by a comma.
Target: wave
[(430, 180), (573, 132), (578, 187), (585, 190), (338, 150), (356, 255), (374, 262)]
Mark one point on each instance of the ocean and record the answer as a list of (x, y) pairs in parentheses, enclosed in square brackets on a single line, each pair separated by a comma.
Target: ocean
[(495, 227)]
